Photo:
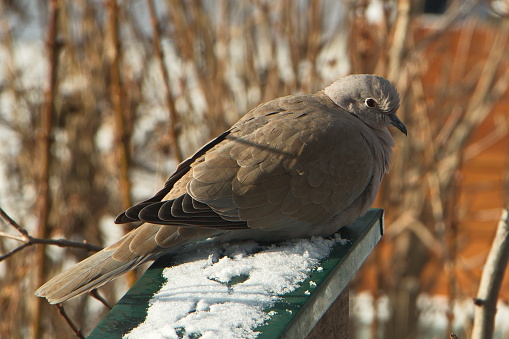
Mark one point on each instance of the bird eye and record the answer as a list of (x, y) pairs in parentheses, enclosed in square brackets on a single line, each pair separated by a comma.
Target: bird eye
[(371, 102)]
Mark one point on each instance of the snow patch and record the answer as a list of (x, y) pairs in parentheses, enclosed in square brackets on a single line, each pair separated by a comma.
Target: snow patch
[(223, 290)]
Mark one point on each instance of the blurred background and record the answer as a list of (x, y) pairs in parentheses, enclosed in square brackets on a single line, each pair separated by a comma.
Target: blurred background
[(100, 100)]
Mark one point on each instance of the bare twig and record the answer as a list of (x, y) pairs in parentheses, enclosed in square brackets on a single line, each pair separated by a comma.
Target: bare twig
[(13, 251), (13, 223), (69, 322), (491, 280), (28, 240), (95, 294)]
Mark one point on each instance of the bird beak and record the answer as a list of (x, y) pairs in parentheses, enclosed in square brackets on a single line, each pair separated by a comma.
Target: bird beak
[(397, 123)]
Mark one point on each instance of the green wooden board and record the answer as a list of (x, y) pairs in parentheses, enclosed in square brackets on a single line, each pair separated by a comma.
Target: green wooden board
[(294, 315)]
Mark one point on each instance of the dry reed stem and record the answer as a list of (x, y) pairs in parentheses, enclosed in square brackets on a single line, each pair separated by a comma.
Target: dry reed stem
[(122, 136), (196, 37), (45, 142), (122, 132), (401, 30), (170, 102), (439, 185), (491, 281)]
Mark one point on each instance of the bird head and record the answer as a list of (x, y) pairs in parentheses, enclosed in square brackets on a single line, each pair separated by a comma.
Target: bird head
[(371, 98)]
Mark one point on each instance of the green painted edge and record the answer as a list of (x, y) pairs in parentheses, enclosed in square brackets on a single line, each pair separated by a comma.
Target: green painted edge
[(131, 309), (287, 309), (338, 279)]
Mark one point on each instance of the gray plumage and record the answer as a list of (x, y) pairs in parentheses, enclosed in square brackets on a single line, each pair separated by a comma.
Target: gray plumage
[(297, 166)]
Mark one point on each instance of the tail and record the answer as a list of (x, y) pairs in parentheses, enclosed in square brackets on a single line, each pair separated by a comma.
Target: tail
[(85, 276), (136, 247)]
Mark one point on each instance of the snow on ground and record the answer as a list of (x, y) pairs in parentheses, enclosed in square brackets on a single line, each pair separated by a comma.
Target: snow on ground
[(221, 290)]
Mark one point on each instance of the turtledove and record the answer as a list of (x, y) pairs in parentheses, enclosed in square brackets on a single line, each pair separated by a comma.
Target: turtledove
[(297, 166)]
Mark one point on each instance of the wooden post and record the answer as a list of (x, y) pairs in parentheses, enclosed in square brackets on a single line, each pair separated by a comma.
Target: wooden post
[(335, 323)]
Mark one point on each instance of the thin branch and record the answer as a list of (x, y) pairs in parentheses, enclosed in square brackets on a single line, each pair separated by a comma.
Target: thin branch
[(12, 236), (13, 251), (28, 240), (491, 280), (69, 322), (65, 243), (95, 294), (13, 223), (56, 242)]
